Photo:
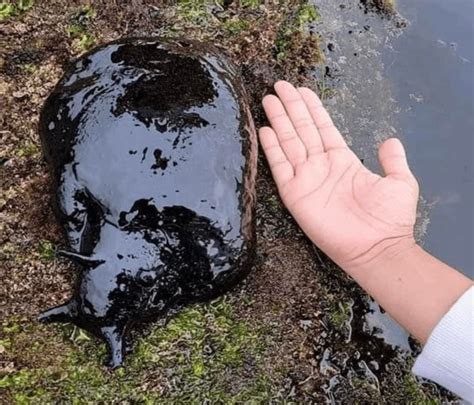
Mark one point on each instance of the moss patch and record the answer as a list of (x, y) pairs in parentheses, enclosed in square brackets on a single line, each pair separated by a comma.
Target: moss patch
[(8, 10), (28, 149), (273, 33), (46, 250), (341, 315), (78, 28), (204, 353), (294, 39)]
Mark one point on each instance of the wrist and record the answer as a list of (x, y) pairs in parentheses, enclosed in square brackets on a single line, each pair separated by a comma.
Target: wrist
[(389, 250), (414, 287)]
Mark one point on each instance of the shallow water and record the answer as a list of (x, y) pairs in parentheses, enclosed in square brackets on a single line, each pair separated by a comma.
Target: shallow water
[(431, 69), (410, 77), (416, 83)]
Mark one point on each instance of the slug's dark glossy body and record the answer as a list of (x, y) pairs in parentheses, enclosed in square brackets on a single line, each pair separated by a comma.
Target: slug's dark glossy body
[(153, 154)]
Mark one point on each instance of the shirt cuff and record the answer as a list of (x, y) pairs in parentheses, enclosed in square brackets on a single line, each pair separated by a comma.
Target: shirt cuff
[(448, 356)]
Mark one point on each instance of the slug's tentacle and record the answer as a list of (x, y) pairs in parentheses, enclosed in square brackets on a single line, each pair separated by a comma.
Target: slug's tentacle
[(113, 336), (61, 313), (83, 260)]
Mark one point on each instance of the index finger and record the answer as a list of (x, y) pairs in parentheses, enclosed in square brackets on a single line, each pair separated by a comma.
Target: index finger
[(288, 138), (300, 117)]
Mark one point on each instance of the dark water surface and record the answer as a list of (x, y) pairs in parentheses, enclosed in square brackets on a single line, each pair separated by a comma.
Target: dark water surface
[(431, 69), (409, 77)]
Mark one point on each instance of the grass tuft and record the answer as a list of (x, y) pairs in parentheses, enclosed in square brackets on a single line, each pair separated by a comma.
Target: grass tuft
[(78, 29), (28, 149), (341, 315), (46, 250), (196, 11), (8, 10), (235, 26), (293, 36)]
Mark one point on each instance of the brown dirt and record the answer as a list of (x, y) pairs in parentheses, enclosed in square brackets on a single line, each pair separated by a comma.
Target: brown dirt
[(33, 58)]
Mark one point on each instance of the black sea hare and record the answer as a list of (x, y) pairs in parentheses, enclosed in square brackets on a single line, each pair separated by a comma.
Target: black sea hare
[(153, 156)]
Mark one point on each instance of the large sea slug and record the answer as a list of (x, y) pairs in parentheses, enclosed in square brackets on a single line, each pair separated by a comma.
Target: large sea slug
[(152, 152)]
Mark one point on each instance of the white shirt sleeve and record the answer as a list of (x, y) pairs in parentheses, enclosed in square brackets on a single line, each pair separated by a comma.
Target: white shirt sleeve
[(448, 356)]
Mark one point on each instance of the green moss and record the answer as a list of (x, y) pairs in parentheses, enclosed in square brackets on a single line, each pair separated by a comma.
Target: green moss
[(21, 379), (341, 315), (8, 10), (78, 29), (251, 3), (250, 24), (214, 330), (201, 354), (293, 33), (324, 91), (29, 68), (200, 347), (235, 26), (28, 149), (25, 5), (46, 250), (74, 30), (273, 204), (307, 13), (413, 392), (196, 11), (8, 251), (86, 41), (87, 11), (368, 391), (5, 344), (11, 326)]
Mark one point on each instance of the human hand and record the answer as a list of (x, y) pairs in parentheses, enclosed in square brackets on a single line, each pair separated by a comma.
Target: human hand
[(351, 213)]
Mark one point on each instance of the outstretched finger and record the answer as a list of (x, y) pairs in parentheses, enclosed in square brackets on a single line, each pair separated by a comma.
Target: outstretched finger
[(300, 117), (288, 139), (330, 135), (281, 168), (393, 159)]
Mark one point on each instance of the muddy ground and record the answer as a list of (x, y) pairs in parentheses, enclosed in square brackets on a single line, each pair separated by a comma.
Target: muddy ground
[(295, 331)]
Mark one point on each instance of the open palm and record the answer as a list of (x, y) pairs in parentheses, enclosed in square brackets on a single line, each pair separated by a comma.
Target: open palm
[(350, 212)]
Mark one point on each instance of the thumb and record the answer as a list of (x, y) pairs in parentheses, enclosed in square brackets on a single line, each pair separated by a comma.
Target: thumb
[(393, 158)]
